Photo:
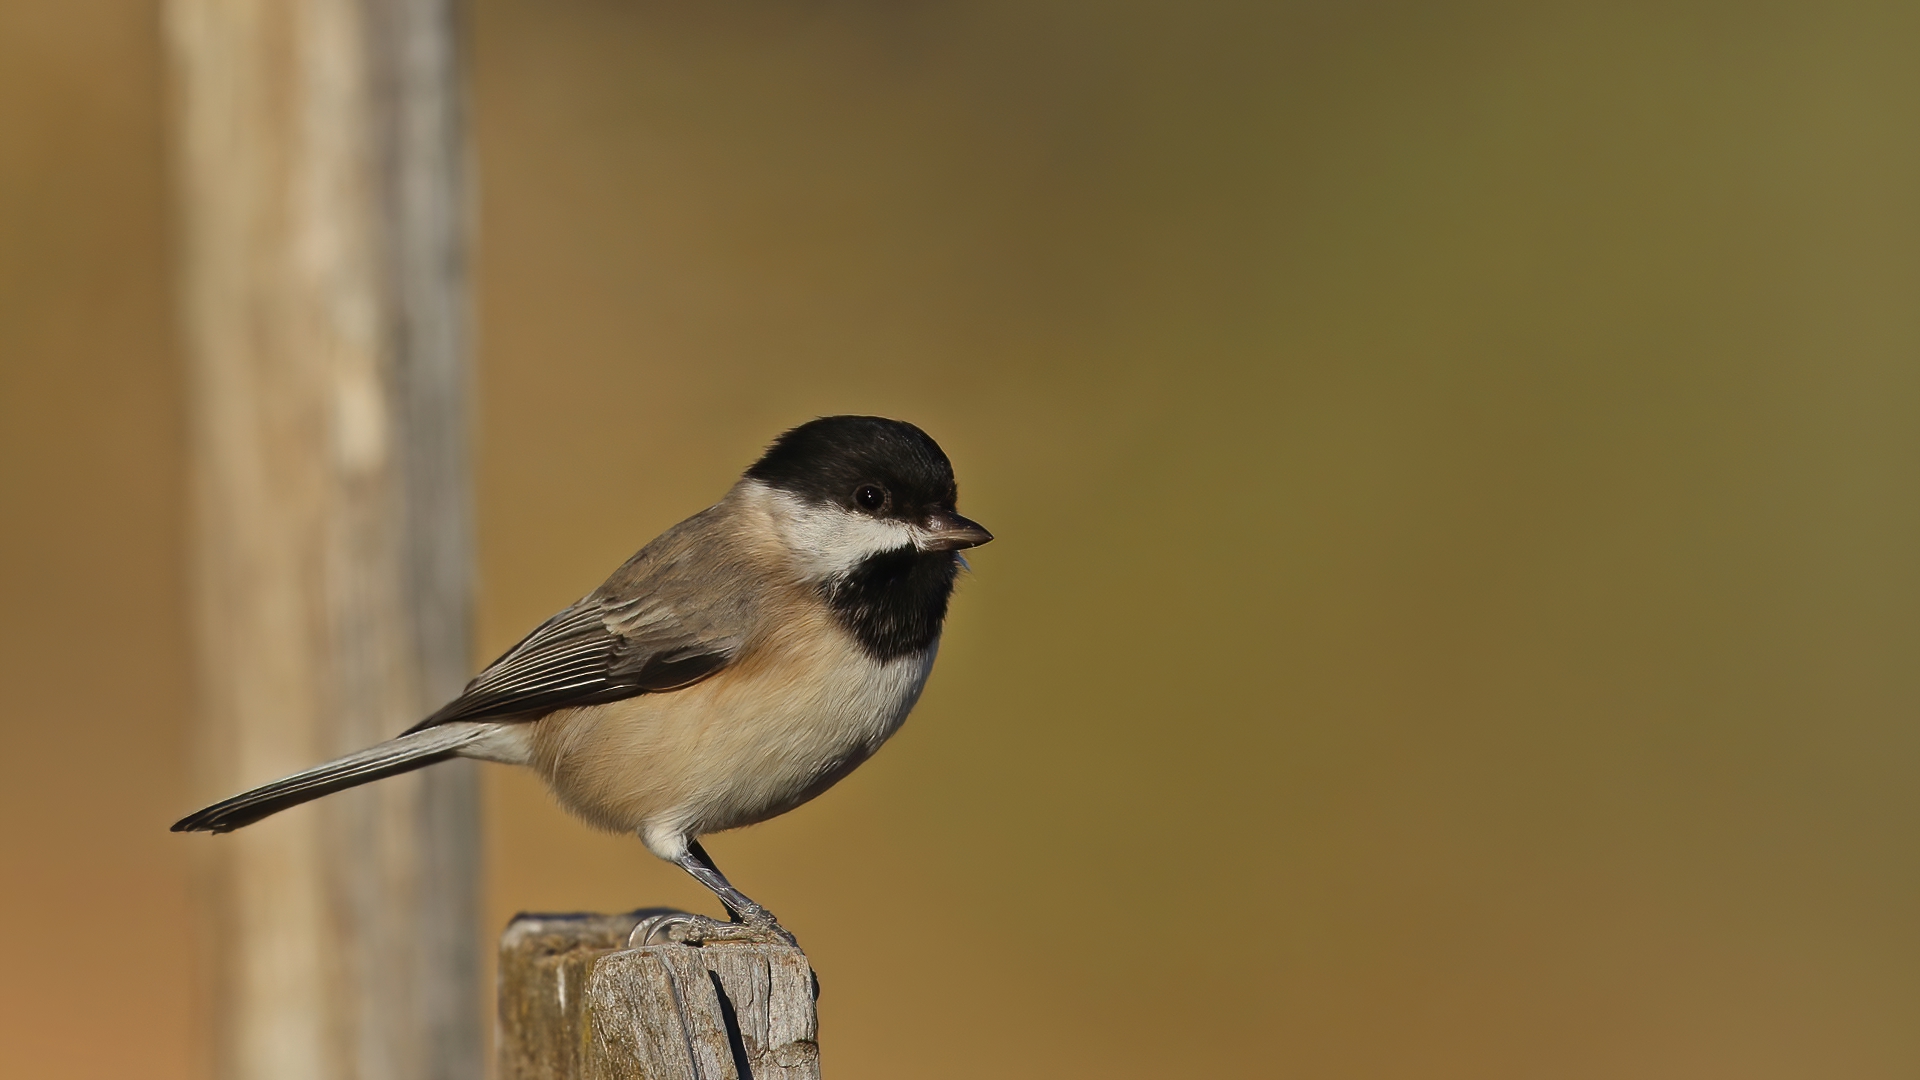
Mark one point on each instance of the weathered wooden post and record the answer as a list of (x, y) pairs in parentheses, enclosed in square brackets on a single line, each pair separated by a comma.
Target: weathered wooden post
[(580, 999), (320, 162)]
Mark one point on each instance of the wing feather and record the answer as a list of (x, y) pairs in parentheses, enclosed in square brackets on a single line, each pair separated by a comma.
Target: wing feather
[(659, 624)]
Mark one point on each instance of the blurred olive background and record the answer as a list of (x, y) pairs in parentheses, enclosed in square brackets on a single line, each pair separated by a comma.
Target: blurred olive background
[(1456, 467)]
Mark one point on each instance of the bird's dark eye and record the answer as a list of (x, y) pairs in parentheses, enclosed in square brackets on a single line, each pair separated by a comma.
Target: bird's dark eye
[(871, 497)]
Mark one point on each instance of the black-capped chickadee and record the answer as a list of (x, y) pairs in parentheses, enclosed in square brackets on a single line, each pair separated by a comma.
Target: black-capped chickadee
[(739, 665)]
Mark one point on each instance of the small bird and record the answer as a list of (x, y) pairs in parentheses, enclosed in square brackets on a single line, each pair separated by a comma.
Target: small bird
[(737, 666)]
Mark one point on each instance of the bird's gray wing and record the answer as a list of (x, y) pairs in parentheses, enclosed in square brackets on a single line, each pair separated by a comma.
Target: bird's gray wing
[(671, 616), (595, 651)]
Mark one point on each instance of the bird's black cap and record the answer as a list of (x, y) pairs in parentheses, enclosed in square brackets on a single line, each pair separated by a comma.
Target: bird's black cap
[(830, 459)]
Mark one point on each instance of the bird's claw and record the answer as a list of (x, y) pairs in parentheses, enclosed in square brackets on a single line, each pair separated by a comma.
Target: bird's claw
[(684, 928)]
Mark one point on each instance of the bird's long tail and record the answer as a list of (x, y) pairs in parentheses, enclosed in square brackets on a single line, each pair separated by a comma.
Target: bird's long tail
[(395, 756)]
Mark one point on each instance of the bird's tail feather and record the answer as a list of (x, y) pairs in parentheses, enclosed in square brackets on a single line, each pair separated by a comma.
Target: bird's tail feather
[(391, 758)]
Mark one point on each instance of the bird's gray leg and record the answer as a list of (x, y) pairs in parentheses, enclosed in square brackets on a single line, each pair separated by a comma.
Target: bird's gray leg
[(700, 864), (751, 922)]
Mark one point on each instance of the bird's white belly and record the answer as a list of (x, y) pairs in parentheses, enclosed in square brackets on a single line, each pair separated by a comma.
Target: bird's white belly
[(752, 742)]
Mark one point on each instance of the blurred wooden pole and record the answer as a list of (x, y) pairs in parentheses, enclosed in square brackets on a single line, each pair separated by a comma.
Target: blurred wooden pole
[(577, 1004), (320, 158)]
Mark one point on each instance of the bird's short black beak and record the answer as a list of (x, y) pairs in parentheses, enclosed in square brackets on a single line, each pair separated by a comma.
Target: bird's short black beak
[(947, 531)]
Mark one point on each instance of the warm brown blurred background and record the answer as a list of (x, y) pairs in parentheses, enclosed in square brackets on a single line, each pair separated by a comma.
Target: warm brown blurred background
[(1457, 470)]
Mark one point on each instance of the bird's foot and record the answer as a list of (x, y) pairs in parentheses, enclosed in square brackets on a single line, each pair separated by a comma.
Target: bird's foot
[(682, 928)]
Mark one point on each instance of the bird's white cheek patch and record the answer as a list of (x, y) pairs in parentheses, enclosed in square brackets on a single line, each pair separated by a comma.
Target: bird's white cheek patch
[(827, 540)]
